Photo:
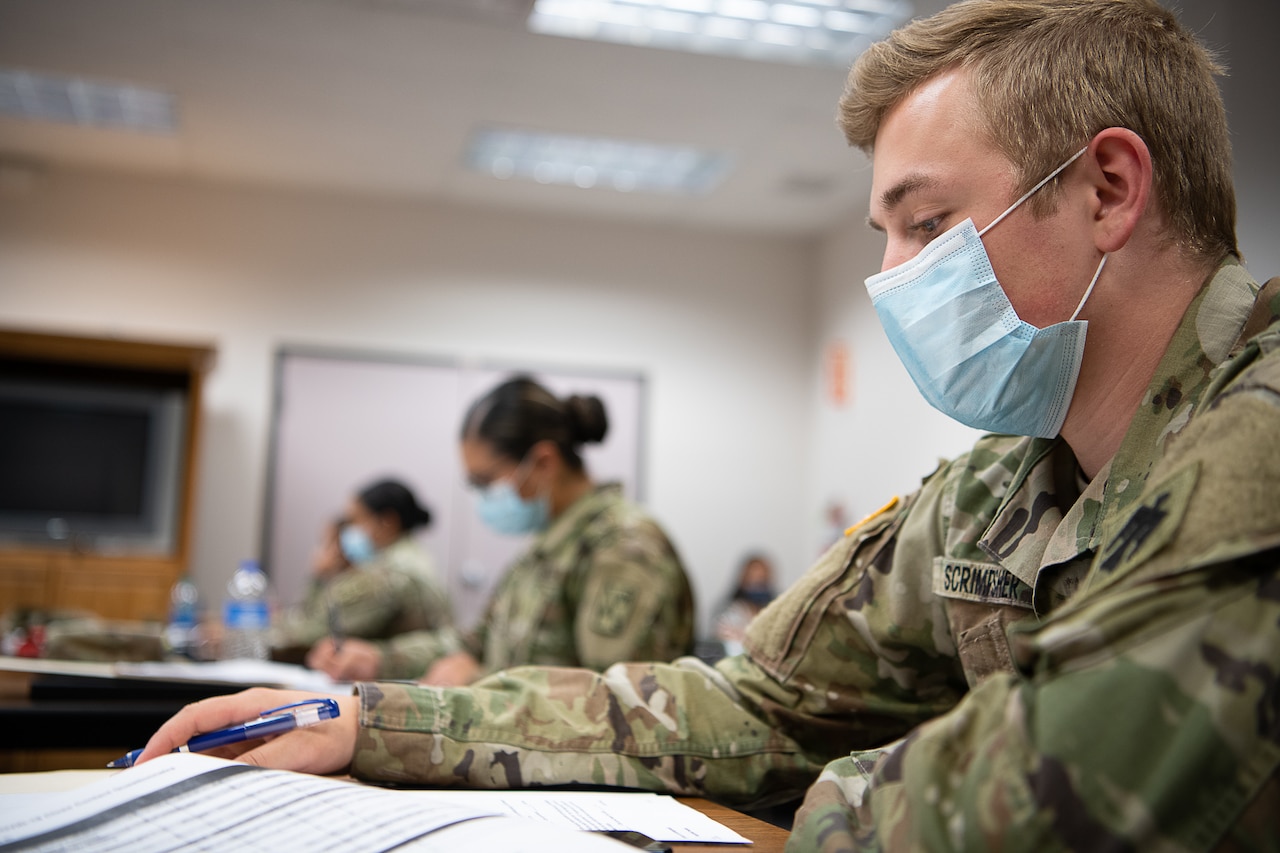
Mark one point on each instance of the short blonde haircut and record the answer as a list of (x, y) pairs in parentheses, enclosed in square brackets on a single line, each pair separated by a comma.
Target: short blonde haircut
[(1050, 74)]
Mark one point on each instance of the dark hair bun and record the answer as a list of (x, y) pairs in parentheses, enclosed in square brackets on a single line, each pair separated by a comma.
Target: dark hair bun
[(586, 419), (394, 496)]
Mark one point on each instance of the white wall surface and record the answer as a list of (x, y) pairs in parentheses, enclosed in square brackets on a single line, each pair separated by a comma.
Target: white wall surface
[(719, 325)]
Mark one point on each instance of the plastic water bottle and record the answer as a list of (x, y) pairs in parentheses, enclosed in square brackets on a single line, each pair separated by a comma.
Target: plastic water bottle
[(184, 614), (245, 616)]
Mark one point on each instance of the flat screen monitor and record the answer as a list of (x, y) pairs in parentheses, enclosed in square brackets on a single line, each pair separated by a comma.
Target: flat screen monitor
[(90, 467)]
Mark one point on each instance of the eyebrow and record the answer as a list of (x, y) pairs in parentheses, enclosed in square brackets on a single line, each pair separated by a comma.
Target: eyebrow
[(892, 197)]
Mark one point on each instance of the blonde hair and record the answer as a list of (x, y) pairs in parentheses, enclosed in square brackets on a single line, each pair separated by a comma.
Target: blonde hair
[(1050, 74)]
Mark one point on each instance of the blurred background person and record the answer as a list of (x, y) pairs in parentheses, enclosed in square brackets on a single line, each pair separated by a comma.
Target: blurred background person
[(370, 577), (600, 583), (753, 590)]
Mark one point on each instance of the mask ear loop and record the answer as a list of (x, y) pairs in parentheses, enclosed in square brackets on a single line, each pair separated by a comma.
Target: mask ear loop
[(1029, 193), (1089, 289)]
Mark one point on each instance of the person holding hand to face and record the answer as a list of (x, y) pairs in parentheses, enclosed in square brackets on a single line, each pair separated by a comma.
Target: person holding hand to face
[(370, 580)]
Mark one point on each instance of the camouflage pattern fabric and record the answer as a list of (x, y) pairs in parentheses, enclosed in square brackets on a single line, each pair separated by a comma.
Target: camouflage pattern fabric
[(1135, 704), (1142, 713), (602, 584), (396, 592)]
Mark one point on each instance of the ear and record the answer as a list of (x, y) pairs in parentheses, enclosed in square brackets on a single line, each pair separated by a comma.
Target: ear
[(1120, 185), (388, 521), (545, 456)]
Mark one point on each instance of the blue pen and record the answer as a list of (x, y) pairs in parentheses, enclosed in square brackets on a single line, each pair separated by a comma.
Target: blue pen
[(276, 721)]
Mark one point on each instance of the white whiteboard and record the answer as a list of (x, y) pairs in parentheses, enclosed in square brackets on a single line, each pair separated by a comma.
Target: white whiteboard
[(342, 420)]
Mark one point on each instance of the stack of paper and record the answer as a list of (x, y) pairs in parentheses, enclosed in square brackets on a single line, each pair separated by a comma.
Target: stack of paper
[(182, 802)]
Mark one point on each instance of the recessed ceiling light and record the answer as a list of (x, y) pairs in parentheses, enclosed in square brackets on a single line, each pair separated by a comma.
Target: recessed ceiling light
[(595, 162), (72, 100), (801, 31)]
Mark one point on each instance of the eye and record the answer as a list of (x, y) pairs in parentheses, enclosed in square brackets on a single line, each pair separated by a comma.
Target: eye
[(928, 228)]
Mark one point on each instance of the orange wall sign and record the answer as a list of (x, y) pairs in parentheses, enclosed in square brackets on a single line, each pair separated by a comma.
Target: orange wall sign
[(839, 371)]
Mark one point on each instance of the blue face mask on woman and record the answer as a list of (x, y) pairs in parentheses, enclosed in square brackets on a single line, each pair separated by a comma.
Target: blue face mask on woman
[(500, 507), (963, 343), (356, 544)]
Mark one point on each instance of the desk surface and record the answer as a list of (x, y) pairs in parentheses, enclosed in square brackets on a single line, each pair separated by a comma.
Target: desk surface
[(766, 837)]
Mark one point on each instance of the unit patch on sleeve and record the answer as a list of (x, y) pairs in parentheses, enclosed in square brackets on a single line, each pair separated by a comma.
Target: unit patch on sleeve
[(973, 581), (1152, 523), (613, 610)]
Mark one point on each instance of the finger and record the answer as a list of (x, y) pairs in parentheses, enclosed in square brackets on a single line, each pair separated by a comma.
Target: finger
[(322, 749), (210, 714), (350, 667), (336, 666)]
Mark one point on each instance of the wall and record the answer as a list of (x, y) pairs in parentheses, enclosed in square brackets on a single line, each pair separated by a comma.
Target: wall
[(719, 324)]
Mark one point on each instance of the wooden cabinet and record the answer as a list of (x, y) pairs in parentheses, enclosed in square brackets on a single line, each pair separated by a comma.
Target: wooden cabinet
[(80, 573)]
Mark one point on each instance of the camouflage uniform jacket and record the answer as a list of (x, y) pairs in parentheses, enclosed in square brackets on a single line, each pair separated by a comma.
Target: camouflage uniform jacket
[(601, 584), (396, 592), (1165, 657)]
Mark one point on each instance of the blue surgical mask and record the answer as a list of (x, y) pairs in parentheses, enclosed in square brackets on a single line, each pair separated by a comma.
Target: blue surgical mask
[(502, 509), (963, 343), (356, 544)]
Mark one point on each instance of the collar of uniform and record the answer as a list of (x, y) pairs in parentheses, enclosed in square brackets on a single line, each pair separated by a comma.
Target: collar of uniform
[(1031, 505), (577, 516), (1209, 331)]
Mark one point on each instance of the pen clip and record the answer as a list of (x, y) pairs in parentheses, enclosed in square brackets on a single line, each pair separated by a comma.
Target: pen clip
[(325, 709)]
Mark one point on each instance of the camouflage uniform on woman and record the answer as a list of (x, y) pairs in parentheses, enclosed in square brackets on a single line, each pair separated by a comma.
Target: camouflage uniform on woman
[(395, 593), (601, 585), (1138, 709)]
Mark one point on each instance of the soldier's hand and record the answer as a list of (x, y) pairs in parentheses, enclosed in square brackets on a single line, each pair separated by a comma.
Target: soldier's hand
[(323, 748), (454, 670), (356, 660)]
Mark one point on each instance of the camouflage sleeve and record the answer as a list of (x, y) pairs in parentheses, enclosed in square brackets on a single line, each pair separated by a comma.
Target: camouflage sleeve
[(473, 641), (635, 604), (852, 656), (1143, 713), (1163, 742), (409, 655), (680, 728), (305, 622), (425, 606), (365, 603)]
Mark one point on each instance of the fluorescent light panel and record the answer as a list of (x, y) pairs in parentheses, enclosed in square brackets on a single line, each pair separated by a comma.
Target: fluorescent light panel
[(801, 31), (72, 100), (593, 162)]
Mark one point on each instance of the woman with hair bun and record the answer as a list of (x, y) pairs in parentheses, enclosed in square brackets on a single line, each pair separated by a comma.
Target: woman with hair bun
[(601, 582), (371, 579)]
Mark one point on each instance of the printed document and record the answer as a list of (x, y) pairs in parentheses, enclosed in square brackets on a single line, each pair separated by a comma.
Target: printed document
[(188, 801)]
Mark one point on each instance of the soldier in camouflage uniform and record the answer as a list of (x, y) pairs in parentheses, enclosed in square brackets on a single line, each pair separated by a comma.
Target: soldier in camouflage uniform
[(374, 581), (1067, 643), (601, 582)]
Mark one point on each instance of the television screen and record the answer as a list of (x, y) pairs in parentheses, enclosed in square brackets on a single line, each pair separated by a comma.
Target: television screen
[(89, 463)]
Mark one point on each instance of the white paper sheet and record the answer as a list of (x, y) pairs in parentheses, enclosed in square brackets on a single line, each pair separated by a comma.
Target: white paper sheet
[(184, 802), (660, 817), (188, 801), (243, 672)]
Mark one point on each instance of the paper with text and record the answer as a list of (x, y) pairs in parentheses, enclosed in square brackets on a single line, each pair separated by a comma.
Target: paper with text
[(184, 802)]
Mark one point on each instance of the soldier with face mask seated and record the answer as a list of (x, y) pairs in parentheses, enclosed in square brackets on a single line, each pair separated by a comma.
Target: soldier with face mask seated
[(599, 584), (370, 578), (1068, 638)]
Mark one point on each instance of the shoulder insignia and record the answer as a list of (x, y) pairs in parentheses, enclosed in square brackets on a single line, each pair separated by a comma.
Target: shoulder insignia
[(1152, 523), (870, 518), (613, 610)]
